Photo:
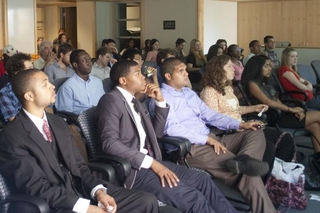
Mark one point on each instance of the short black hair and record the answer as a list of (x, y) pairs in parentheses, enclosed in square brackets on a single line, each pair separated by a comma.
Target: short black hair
[(64, 48), (74, 57), (130, 53), (121, 69), (16, 64), (251, 44), (107, 41), (266, 38), (167, 66), (21, 83), (180, 41), (102, 51)]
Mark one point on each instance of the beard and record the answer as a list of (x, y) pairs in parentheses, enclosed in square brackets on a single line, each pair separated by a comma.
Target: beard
[(67, 63)]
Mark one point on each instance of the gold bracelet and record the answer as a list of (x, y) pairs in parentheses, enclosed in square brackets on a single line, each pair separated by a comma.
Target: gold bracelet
[(288, 109)]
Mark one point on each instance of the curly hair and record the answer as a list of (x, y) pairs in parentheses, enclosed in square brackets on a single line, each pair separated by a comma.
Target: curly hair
[(16, 64), (215, 76)]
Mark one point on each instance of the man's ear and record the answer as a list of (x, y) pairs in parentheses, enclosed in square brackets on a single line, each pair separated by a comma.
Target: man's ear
[(28, 96), (167, 76), (75, 64), (122, 81)]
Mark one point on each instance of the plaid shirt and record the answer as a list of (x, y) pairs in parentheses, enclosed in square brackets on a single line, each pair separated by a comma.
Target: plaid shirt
[(9, 103), (273, 57)]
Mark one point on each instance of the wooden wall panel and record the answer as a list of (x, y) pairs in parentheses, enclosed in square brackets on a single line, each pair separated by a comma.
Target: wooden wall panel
[(294, 22), (248, 25), (270, 19), (313, 24)]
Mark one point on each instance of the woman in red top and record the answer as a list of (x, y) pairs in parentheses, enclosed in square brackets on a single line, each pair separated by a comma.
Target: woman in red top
[(290, 79)]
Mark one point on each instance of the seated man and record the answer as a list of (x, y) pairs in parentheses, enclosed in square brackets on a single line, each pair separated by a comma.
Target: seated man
[(81, 91), (41, 160), (223, 156), (111, 45), (270, 45), (126, 130), (61, 68), (46, 55), (100, 67), (9, 104), (255, 49)]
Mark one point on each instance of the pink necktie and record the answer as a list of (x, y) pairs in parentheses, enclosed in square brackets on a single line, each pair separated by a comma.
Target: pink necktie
[(46, 130)]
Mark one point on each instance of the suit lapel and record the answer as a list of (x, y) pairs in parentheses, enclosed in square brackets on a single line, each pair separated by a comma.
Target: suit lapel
[(38, 139), (63, 147)]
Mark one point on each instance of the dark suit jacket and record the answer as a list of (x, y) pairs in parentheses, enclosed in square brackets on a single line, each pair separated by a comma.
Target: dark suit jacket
[(27, 160), (118, 131)]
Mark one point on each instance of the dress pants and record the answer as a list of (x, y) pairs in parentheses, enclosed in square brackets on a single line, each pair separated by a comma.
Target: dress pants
[(195, 192), (248, 142), (127, 200)]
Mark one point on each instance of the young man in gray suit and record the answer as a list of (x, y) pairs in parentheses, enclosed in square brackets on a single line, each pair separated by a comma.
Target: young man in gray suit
[(126, 130), (37, 156)]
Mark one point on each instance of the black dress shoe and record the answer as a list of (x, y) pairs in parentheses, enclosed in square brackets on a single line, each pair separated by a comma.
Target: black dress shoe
[(244, 164)]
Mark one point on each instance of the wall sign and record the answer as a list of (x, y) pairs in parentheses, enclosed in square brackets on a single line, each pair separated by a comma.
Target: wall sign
[(169, 25)]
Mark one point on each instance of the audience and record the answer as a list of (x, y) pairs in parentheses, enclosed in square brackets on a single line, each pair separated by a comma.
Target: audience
[(7, 52), (270, 44), (100, 67), (81, 91), (135, 55), (42, 161), (56, 40), (62, 38), (61, 68), (111, 45), (254, 83), (218, 95), (235, 53), (290, 79), (180, 44), (9, 104), (153, 50), (162, 55), (145, 49), (196, 60), (129, 45), (46, 55), (255, 49), (214, 50), (125, 130), (223, 44), (233, 158)]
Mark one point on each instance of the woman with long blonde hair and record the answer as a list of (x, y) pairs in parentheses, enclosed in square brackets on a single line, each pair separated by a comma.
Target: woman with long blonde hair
[(196, 58), (291, 81)]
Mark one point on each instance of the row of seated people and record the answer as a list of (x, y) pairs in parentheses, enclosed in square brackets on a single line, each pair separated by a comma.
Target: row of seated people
[(126, 139)]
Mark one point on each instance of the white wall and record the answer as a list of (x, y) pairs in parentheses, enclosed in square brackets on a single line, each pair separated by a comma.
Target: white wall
[(104, 22), (182, 11), (21, 18), (220, 21)]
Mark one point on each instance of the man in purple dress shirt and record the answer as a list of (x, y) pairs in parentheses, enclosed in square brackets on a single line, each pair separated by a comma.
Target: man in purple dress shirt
[(233, 158)]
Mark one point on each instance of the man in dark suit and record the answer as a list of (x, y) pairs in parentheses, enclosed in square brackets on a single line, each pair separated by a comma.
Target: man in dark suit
[(38, 157), (126, 130)]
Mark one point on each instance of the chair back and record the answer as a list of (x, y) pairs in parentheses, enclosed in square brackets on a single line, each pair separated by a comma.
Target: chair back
[(87, 122), (307, 73), (4, 192), (58, 82), (108, 85), (315, 64), (244, 95)]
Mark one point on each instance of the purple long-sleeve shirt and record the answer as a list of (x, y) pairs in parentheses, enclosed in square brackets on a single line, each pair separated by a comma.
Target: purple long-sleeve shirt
[(188, 116)]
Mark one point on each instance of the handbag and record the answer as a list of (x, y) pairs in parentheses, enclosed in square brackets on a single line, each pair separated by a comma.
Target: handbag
[(285, 186), (312, 170)]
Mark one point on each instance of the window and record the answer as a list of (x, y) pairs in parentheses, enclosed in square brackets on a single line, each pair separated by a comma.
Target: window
[(128, 24)]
